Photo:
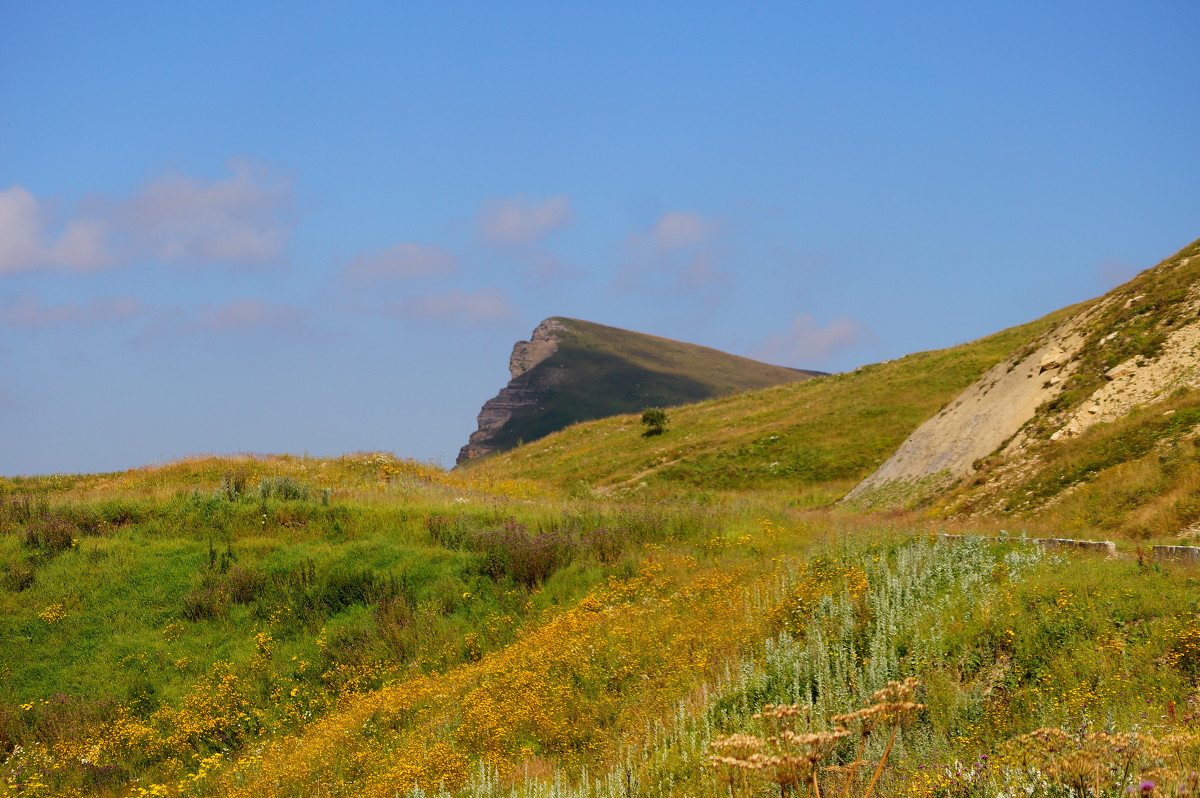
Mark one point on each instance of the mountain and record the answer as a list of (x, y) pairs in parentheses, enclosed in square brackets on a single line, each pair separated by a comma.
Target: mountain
[(571, 371)]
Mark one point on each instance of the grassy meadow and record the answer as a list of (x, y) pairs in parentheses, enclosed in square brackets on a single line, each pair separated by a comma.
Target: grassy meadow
[(368, 625)]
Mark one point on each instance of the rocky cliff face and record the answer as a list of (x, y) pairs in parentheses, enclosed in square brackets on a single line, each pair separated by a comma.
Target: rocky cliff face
[(520, 394)]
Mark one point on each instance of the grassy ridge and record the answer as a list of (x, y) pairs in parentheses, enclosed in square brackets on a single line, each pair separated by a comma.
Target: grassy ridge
[(815, 439), (600, 371)]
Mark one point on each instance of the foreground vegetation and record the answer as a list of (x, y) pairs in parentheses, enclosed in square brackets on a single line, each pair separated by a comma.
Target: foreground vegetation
[(372, 626)]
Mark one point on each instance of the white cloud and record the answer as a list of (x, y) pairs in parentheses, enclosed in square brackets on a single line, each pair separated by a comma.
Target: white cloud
[(807, 343), (243, 219), (677, 230), (519, 221), (25, 241), (28, 313), (401, 262), (246, 314), (679, 251), (483, 306)]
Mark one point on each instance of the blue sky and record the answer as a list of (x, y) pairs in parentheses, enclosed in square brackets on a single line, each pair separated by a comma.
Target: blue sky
[(301, 227)]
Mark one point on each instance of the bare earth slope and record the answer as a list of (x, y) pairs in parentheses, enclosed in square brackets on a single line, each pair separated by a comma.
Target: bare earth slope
[(1003, 440)]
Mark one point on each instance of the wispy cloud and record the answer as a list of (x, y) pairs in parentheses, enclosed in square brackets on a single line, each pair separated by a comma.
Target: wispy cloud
[(27, 243), (807, 343), (239, 316), (482, 306), (677, 230), (27, 312), (249, 314), (242, 219), (401, 262), (681, 248), (522, 221)]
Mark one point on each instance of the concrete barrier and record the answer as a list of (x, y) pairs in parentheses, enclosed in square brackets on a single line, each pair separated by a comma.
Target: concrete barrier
[(1106, 547), (1185, 553)]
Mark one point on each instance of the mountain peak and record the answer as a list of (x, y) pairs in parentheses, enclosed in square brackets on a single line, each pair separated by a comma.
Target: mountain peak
[(572, 370)]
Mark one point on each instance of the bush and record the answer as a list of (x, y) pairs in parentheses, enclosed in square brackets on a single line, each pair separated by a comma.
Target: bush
[(22, 509), (529, 558), (58, 530), (17, 576), (233, 485), (607, 543), (452, 533), (655, 420), (207, 600), (284, 488)]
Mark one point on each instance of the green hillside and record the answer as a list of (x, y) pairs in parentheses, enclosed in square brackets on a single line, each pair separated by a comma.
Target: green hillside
[(367, 626), (813, 439)]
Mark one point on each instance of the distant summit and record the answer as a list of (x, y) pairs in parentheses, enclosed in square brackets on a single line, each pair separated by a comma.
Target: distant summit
[(571, 370)]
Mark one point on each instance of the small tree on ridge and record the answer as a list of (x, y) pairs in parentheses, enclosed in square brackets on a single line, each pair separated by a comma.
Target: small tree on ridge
[(655, 419)]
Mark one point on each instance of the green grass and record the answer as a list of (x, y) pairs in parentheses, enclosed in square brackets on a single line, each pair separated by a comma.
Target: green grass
[(382, 621), (814, 439)]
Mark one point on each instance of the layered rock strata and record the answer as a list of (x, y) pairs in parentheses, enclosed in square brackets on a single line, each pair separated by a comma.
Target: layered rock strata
[(519, 394)]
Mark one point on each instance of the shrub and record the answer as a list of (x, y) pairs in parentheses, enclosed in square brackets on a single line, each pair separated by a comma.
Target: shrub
[(17, 576), (233, 485), (209, 599), (22, 509), (608, 543), (655, 420), (452, 533), (284, 488), (51, 534), (244, 584), (529, 558)]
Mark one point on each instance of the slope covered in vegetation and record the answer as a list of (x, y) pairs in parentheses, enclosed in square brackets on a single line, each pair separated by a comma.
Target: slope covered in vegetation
[(814, 439), (371, 626), (575, 370), (610, 613)]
